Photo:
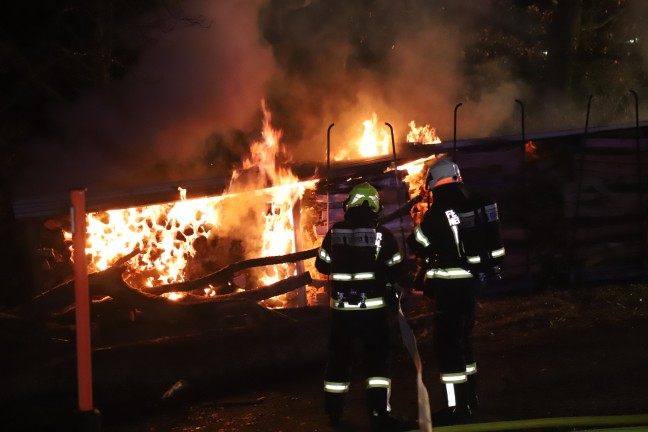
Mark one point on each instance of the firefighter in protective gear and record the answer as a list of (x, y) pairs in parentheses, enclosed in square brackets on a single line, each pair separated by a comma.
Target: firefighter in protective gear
[(365, 263), (449, 242)]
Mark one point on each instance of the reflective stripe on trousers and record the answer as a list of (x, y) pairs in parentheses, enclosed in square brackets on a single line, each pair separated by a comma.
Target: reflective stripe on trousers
[(471, 369), (378, 382), (450, 380), (454, 378), (336, 387), (498, 253)]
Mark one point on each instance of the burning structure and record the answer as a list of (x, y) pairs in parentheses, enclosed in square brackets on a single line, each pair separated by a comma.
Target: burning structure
[(265, 213), (188, 239), (233, 269)]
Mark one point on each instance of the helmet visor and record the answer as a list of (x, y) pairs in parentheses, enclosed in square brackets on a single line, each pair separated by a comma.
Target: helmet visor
[(359, 199)]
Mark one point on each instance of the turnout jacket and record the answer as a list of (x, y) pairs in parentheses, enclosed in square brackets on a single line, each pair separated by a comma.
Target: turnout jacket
[(439, 240), (363, 259)]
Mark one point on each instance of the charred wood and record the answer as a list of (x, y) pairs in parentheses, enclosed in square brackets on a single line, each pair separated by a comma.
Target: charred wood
[(227, 273), (263, 293), (60, 298)]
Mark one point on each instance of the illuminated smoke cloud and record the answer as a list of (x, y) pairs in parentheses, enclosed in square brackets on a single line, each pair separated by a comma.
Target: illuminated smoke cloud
[(191, 106), (192, 90)]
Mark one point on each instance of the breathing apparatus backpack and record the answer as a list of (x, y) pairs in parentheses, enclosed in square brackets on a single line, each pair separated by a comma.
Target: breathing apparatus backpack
[(481, 239)]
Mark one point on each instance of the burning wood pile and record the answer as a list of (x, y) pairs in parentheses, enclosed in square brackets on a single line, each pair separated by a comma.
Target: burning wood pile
[(226, 279), (225, 284), (253, 243)]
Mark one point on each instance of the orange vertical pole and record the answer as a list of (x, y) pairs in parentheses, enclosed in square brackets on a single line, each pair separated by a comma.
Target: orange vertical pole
[(82, 304)]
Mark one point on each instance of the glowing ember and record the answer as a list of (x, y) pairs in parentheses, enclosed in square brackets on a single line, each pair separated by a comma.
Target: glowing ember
[(424, 134), (530, 150)]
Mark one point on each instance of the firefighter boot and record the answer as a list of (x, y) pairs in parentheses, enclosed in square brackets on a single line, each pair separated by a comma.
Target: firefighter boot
[(381, 420), (457, 410), (334, 407), (378, 405), (473, 399)]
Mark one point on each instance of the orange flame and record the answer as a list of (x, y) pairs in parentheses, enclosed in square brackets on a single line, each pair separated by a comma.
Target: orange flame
[(256, 211), (424, 134), (374, 141), (415, 179), (189, 238), (530, 150)]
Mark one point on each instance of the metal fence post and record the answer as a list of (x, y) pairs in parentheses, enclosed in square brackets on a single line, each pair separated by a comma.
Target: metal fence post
[(89, 418)]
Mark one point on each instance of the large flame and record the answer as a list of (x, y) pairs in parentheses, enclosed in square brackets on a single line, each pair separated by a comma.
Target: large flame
[(415, 180), (424, 134), (374, 141), (187, 239), (164, 234), (190, 238), (278, 234)]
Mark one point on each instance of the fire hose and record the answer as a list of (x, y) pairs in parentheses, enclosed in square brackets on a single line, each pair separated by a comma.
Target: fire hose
[(409, 340), (619, 423)]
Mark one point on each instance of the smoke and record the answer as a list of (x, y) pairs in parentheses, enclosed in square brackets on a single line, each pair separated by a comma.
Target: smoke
[(191, 105), (341, 61), (639, 32), (175, 115)]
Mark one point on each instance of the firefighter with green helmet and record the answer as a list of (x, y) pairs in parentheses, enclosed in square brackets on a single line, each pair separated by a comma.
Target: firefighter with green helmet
[(458, 245), (364, 262)]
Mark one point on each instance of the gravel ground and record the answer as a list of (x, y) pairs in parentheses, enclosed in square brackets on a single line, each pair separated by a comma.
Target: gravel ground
[(551, 354), (543, 354)]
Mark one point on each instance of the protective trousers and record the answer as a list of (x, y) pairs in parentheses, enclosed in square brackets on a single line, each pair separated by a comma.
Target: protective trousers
[(365, 332), (454, 321)]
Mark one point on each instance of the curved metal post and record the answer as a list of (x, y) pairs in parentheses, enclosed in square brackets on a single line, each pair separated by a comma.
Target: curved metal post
[(425, 417), (328, 182), (454, 139), (328, 172), (522, 125), (398, 200), (640, 193), (527, 229), (572, 245)]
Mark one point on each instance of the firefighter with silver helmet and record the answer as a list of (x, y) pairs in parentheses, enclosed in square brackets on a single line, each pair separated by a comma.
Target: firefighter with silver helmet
[(365, 264), (458, 245)]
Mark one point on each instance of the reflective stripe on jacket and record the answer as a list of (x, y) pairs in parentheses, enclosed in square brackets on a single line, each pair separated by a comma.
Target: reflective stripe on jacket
[(448, 273)]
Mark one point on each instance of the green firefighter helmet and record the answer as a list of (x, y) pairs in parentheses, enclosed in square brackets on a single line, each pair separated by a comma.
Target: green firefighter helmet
[(364, 193), (442, 169)]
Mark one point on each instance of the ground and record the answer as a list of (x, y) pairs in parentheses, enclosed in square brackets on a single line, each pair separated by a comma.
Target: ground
[(554, 353)]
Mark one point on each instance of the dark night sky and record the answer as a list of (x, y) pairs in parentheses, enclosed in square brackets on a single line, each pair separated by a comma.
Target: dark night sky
[(315, 62)]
